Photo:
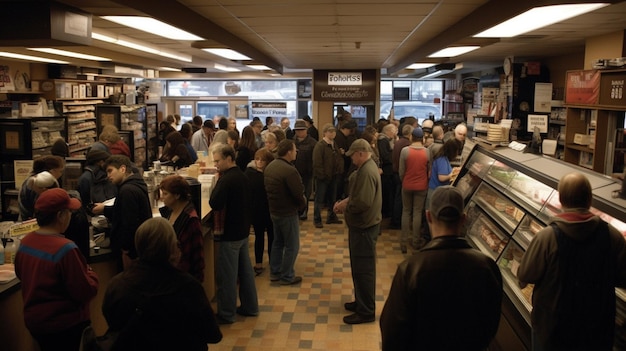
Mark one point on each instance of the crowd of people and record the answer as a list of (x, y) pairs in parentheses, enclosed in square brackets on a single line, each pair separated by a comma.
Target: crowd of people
[(267, 176)]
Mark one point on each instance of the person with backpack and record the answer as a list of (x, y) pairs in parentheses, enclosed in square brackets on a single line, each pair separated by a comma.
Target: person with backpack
[(575, 263)]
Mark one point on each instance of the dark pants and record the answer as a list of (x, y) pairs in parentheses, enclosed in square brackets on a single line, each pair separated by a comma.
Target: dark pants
[(396, 216), (68, 339), (325, 191), (362, 243), (259, 240), (389, 191)]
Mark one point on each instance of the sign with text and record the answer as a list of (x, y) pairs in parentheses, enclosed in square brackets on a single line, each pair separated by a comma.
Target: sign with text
[(265, 109), (344, 85), (539, 121), (582, 87), (612, 88)]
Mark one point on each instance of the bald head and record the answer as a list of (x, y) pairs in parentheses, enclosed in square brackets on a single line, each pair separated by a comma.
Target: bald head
[(575, 191), (460, 132)]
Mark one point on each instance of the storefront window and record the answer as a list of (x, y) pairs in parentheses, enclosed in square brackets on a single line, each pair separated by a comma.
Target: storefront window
[(421, 103)]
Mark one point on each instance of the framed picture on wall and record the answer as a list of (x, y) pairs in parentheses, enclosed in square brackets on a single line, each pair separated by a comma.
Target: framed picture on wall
[(13, 141)]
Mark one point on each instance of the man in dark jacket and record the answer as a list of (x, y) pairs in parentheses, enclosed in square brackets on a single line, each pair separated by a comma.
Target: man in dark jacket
[(328, 170), (93, 185), (232, 195), (304, 160), (131, 208), (423, 310), (285, 195)]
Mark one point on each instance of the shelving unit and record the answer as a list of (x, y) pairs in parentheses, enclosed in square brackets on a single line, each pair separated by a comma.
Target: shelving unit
[(453, 105), (81, 121), (130, 118), (556, 127)]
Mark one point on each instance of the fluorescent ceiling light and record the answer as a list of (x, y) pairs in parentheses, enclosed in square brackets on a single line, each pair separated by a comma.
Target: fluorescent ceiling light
[(260, 67), (227, 53), (454, 51), (138, 45), (536, 18), (77, 55), (420, 65), (30, 58), (153, 26), (225, 68), (170, 69)]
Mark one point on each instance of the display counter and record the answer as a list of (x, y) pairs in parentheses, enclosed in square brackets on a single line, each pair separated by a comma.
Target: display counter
[(509, 197)]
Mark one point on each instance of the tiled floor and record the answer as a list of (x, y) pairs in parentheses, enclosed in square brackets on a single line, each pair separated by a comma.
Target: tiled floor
[(308, 316)]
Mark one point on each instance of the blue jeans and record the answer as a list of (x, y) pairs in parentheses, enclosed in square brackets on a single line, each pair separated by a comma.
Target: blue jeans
[(362, 244), (325, 194), (233, 261), (285, 247), (413, 202)]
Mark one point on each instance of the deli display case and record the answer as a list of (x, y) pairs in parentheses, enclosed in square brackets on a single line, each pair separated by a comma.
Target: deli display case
[(509, 197)]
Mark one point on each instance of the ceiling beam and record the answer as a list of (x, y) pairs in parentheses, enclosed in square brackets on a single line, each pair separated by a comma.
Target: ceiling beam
[(174, 13)]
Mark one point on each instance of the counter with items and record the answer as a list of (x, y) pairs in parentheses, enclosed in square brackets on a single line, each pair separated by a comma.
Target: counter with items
[(509, 197)]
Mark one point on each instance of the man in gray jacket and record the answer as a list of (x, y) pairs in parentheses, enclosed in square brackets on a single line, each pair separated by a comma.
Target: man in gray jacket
[(362, 209), (285, 196)]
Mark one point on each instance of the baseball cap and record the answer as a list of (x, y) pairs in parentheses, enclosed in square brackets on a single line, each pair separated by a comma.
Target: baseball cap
[(300, 124), (54, 200), (359, 145), (327, 127), (446, 204), (45, 180), (418, 132)]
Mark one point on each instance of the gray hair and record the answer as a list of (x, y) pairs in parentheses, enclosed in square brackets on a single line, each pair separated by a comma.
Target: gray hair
[(156, 241)]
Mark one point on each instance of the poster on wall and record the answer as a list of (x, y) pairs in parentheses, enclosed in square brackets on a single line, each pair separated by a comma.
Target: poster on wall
[(305, 87), (265, 109), (6, 82)]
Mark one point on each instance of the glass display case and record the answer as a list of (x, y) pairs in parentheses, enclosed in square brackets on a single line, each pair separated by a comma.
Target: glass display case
[(510, 196)]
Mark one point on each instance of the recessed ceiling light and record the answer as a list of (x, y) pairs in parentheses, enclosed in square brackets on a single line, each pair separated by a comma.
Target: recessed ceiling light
[(227, 53), (77, 55), (225, 68), (30, 58), (454, 51), (260, 67), (420, 65), (536, 18), (153, 26)]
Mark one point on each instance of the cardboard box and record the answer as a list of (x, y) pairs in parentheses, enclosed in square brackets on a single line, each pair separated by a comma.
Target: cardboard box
[(582, 139)]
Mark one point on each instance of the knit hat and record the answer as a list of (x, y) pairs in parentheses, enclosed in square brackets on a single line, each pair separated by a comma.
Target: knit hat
[(447, 204), (54, 200), (93, 156), (418, 132)]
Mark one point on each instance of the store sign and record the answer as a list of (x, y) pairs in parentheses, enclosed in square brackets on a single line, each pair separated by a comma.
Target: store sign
[(538, 121), (344, 85), (271, 109), (582, 87), (612, 89)]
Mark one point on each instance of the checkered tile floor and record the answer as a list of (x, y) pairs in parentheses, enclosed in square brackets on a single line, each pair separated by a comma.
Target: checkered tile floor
[(308, 316)]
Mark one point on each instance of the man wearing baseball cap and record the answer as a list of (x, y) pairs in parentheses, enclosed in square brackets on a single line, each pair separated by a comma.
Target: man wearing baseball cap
[(57, 283), (423, 310), (362, 211)]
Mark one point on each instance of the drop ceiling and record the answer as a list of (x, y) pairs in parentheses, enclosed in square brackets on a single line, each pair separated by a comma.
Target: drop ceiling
[(296, 36)]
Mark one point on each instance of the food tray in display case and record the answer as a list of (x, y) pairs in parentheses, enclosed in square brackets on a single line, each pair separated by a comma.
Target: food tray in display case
[(526, 231), (530, 192), (475, 170), (500, 174), (509, 263), (551, 208), (500, 208), (484, 233)]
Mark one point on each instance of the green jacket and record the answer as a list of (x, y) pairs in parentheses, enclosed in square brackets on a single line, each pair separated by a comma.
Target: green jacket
[(365, 201)]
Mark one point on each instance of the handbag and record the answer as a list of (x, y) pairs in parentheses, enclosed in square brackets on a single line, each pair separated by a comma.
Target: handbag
[(213, 224)]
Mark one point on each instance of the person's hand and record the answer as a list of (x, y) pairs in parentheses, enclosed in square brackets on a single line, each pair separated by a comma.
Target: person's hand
[(340, 206), (98, 208)]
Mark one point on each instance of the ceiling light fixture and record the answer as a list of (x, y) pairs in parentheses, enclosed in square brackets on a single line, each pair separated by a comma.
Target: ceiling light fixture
[(153, 26), (420, 65), (453, 51), (30, 58), (439, 70), (137, 45), (536, 18), (259, 67), (225, 68), (227, 53), (77, 55), (169, 69)]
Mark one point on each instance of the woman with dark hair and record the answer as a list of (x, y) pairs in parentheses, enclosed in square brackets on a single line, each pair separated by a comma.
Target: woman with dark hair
[(60, 148), (186, 131), (442, 172), (247, 148), (155, 306), (182, 215), (261, 220), (165, 128), (175, 151)]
